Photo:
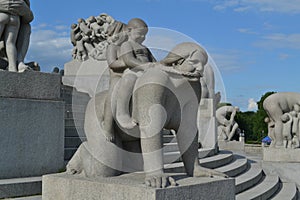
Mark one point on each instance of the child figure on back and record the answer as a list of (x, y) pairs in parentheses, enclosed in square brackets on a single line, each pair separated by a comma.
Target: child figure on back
[(137, 58)]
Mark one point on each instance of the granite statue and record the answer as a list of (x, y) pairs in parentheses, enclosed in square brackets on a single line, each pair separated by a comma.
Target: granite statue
[(227, 126), (90, 37), (165, 95), (283, 118), (15, 29)]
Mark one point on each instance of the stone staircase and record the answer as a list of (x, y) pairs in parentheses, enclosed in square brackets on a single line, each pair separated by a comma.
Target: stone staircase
[(251, 181)]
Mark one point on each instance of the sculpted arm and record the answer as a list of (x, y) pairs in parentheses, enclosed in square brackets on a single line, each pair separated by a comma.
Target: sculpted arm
[(113, 61), (128, 57)]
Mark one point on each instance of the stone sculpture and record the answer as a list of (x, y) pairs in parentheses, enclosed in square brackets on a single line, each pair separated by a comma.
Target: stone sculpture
[(165, 95), (91, 36), (283, 110), (227, 126), (15, 29), (208, 83)]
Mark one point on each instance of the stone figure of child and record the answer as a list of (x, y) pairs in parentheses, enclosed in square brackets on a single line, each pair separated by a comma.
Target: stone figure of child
[(137, 58)]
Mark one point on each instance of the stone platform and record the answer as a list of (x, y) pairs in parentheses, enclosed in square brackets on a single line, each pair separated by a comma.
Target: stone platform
[(281, 155), (131, 186)]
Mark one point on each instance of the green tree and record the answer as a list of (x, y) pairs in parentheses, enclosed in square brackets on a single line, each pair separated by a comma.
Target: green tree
[(252, 123), (260, 128)]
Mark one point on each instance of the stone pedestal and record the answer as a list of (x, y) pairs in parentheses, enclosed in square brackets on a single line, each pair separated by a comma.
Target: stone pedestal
[(130, 186), (90, 76), (281, 155), (231, 145), (282, 162), (207, 124), (32, 126)]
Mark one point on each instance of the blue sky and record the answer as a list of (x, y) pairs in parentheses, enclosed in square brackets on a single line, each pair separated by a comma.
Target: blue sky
[(254, 43)]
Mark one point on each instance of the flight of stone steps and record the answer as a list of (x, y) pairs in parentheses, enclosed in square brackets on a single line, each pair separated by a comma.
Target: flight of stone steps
[(250, 179)]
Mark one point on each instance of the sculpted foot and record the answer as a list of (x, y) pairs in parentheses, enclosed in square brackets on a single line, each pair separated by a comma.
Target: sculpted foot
[(205, 172), (159, 181), (22, 67)]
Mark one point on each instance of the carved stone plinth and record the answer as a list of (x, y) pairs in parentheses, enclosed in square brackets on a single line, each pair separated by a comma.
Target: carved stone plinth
[(32, 124), (130, 186)]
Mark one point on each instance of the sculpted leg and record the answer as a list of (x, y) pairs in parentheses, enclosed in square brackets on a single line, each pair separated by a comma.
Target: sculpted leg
[(233, 131), (124, 95), (22, 46), (10, 38)]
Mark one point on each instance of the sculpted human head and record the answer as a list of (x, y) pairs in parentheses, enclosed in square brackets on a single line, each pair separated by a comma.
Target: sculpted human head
[(137, 30), (188, 54)]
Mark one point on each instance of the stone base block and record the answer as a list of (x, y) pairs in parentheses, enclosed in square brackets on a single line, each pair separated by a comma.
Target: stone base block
[(231, 145), (32, 137), (281, 155), (130, 186), (30, 85)]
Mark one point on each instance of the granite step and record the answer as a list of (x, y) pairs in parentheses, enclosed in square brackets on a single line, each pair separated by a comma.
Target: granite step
[(170, 147), (171, 157), (74, 132), (238, 166), (18, 187), (264, 190), (213, 161), (222, 158), (288, 191), (248, 179), (69, 122)]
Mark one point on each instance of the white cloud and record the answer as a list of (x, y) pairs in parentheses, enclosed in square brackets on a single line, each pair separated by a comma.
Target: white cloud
[(49, 46), (252, 105), (281, 6), (227, 60), (280, 40), (283, 56), (247, 31)]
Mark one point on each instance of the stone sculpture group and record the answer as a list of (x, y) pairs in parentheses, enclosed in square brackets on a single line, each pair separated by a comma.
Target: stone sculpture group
[(15, 29), (124, 124), (283, 111)]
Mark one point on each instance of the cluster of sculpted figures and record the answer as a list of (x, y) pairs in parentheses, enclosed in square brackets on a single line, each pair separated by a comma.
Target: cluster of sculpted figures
[(145, 96), (283, 119), (15, 29), (91, 36)]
